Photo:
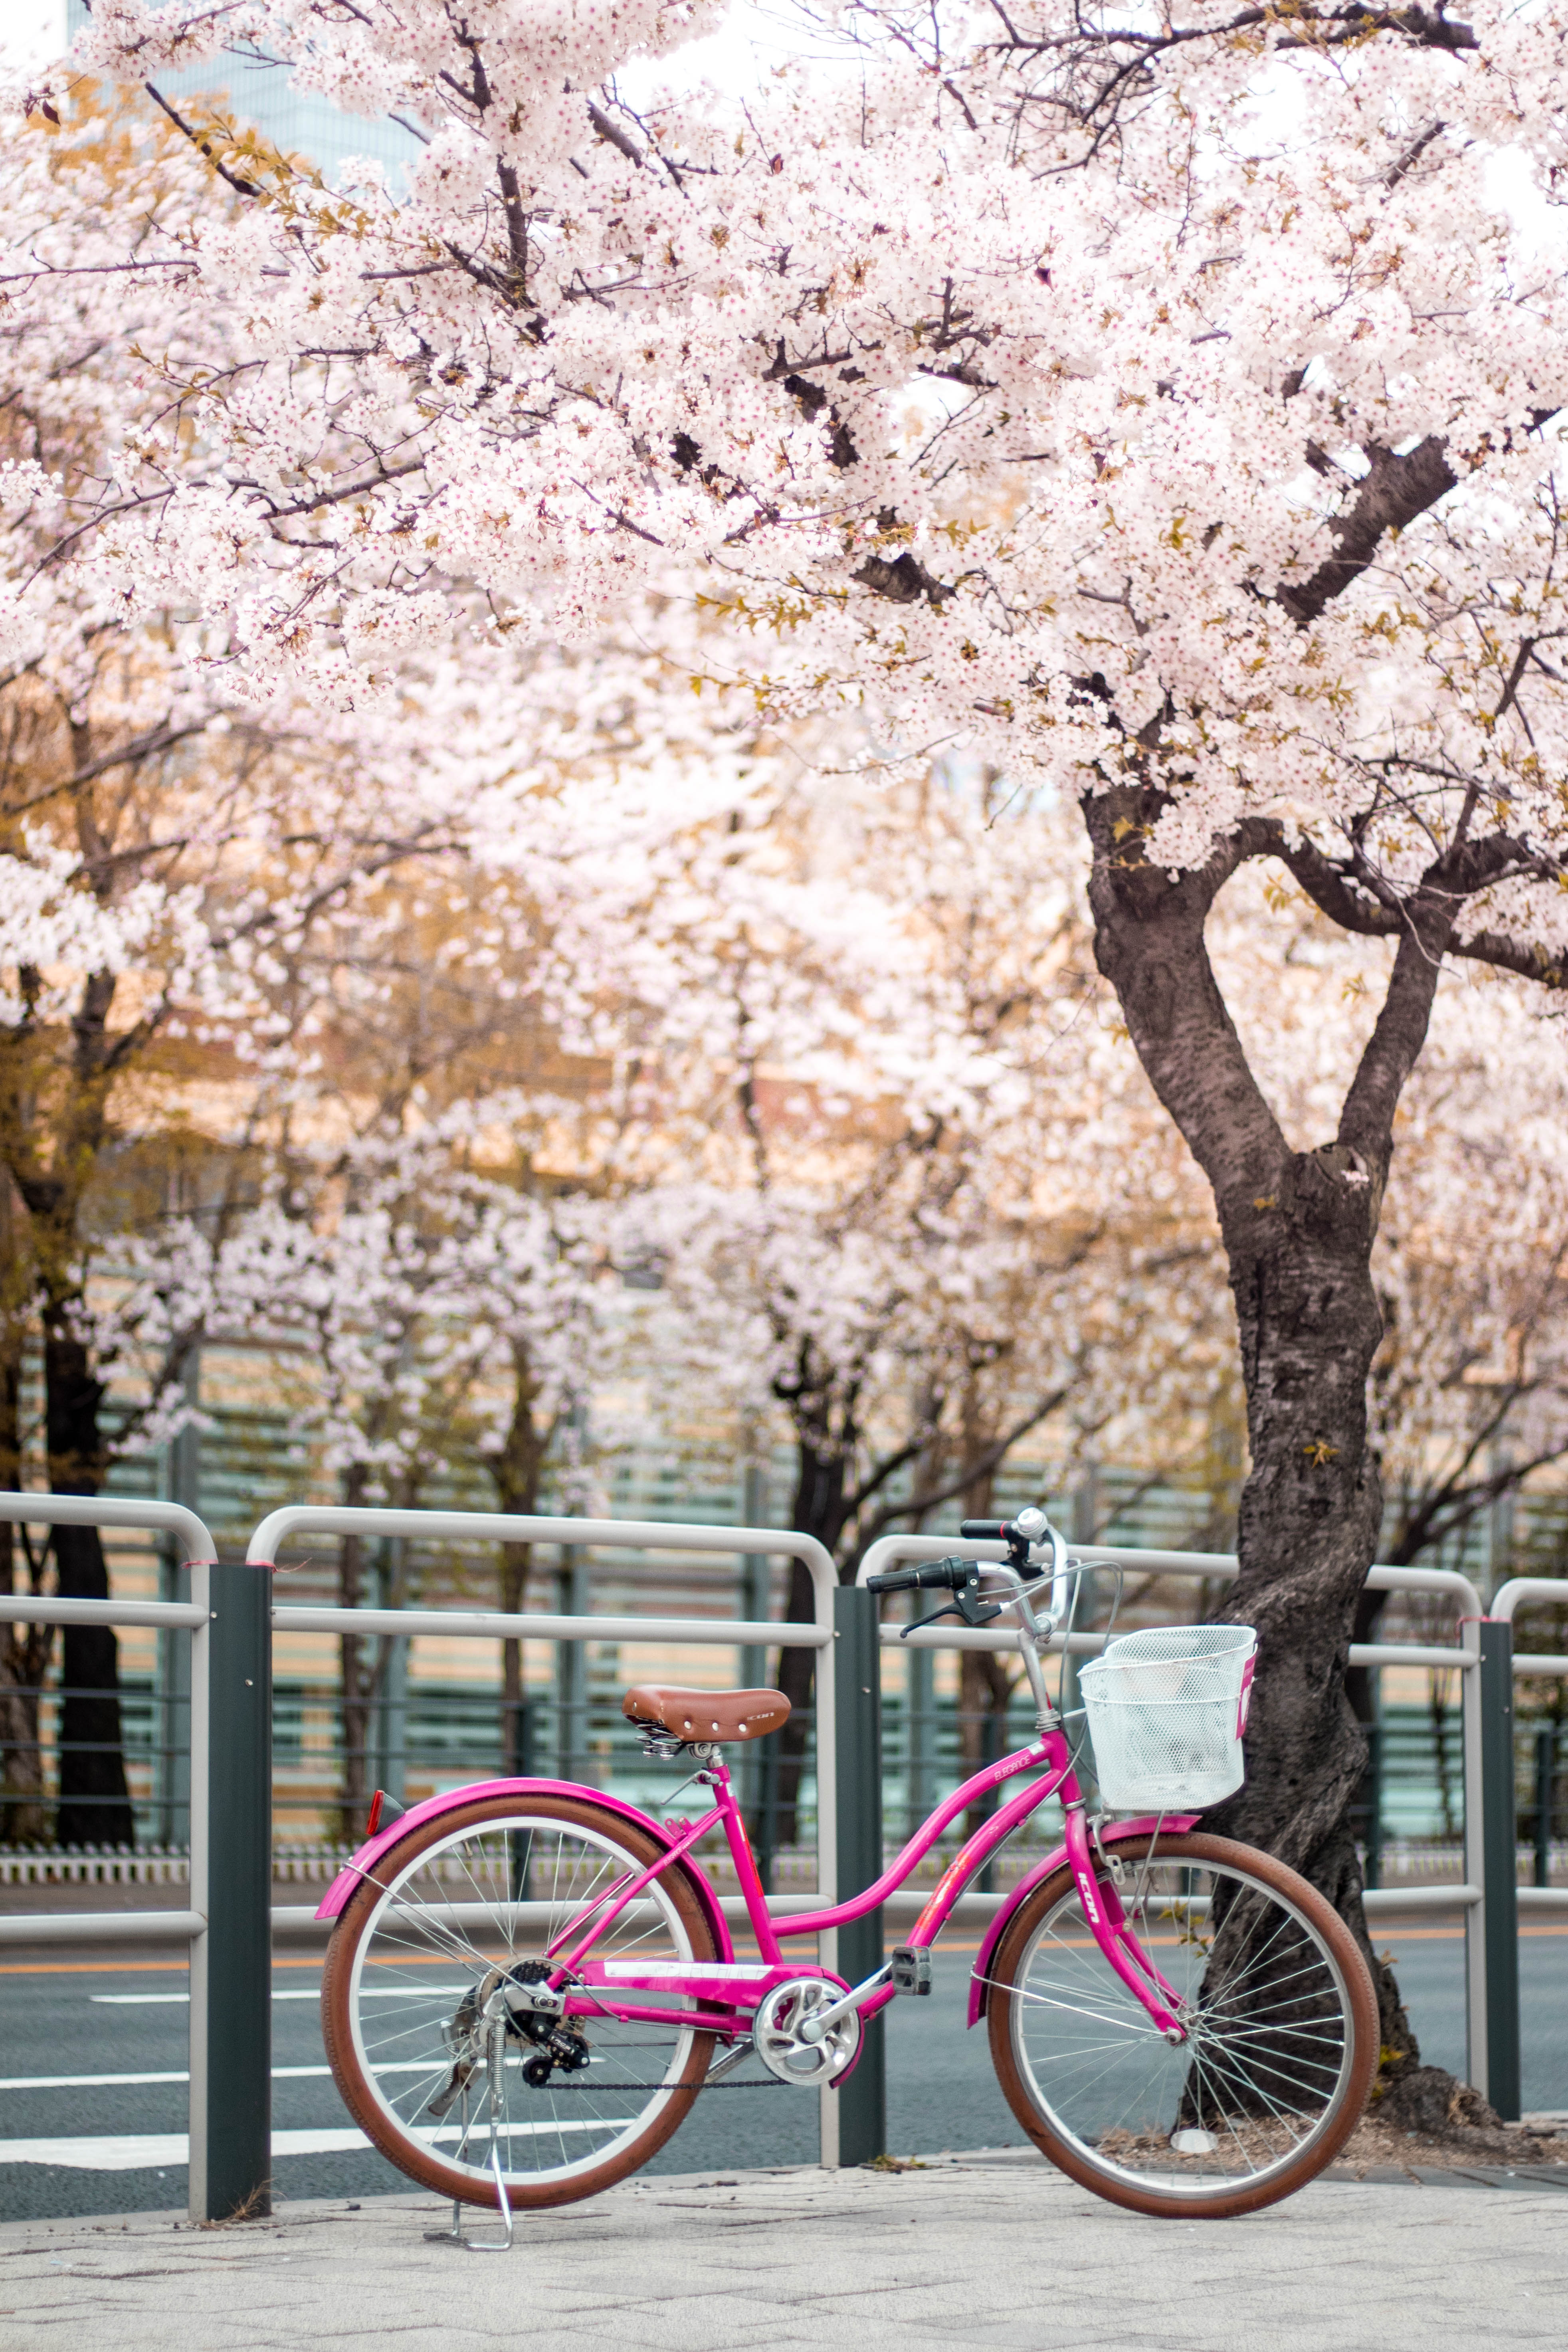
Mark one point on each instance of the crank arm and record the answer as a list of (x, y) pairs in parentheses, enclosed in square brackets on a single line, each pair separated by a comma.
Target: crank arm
[(814, 2028)]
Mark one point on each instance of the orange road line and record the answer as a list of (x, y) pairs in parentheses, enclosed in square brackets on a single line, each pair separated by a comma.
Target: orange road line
[(179, 1968)]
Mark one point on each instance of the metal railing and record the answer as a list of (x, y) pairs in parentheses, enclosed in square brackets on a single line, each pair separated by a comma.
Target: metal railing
[(1505, 1899), (230, 1621), (226, 1927), (1487, 1977)]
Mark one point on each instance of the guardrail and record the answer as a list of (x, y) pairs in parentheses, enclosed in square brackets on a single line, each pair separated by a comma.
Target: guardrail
[(226, 1927), (1505, 1899), (622, 1535), (1492, 1973), (230, 1622)]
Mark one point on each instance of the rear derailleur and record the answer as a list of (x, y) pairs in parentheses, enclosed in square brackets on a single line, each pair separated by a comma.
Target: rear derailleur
[(530, 2008)]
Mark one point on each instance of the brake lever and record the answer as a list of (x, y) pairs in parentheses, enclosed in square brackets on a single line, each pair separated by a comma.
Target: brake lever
[(965, 1603)]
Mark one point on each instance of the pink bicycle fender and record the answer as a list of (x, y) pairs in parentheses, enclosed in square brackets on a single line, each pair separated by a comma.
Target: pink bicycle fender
[(980, 1981), (373, 1851)]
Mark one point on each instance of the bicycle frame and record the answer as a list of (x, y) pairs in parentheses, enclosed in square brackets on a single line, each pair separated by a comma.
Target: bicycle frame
[(737, 1987), (730, 1990)]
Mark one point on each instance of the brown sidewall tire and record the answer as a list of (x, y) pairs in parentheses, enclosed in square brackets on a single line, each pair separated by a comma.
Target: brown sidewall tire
[(421, 2164), (1223, 2203)]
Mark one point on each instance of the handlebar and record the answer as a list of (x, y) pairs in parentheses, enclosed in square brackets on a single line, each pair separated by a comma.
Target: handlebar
[(1031, 1528), (931, 1576)]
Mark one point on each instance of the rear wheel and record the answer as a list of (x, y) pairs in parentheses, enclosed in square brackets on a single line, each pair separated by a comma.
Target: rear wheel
[(1282, 2035), (412, 1971)]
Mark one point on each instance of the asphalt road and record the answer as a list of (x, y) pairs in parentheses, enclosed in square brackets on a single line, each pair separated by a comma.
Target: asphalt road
[(69, 2026)]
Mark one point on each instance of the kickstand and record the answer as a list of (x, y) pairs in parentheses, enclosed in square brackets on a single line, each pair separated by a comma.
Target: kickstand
[(456, 2235), (501, 2245)]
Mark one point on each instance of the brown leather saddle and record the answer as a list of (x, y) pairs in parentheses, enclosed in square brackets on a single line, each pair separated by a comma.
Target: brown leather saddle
[(703, 1715)]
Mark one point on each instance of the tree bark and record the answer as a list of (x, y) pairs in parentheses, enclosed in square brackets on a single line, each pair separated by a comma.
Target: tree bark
[(94, 1798), (818, 1509), (358, 1679), (1299, 1228), (517, 1471), (25, 1650)]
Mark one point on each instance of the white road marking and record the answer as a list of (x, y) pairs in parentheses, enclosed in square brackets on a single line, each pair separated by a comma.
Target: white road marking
[(136, 1999), (147, 2151), (311, 1992), (79, 2082), (280, 2075), (136, 2151)]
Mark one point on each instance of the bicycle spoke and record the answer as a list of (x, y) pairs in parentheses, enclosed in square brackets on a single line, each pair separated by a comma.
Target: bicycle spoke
[(1256, 2079), (428, 2066)]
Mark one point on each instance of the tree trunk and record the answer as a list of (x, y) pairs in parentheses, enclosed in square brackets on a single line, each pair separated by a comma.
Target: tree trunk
[(24, 1653), (517, 1471), (818, 1510), (25, 1650), (358, 1679), (94, 1798), (984, 1677), (516, 1561), (1299, 1228), (1310, 1515)]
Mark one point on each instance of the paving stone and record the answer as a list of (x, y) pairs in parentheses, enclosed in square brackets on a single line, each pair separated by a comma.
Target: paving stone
[(1005, 2254)]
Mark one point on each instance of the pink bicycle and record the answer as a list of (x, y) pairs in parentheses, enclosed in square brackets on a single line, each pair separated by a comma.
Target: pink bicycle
[(530, 1982)]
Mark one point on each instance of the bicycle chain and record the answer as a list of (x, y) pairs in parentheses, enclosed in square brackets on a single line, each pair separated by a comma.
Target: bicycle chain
[(771, 2084)]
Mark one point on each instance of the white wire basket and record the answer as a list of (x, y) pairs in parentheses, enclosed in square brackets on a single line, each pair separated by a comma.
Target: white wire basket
[(1167, 1710)]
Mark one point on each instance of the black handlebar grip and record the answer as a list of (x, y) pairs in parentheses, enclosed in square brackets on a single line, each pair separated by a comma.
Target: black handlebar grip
[(935, 1576), (985, 1531)]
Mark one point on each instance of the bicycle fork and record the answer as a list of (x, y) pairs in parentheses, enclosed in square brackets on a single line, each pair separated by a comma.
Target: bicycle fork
[(1117, 1941)]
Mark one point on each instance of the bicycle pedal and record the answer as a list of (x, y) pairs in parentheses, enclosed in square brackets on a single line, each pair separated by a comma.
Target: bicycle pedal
[(911, 1968)]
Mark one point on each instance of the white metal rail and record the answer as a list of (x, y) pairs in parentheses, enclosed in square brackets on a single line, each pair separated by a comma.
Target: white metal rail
[(620, 1535), (1467, 1897), (205, 1934), (225, 1600)]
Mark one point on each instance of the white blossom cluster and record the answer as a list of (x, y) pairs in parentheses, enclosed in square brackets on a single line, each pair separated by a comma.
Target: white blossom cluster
[(1040, 381)]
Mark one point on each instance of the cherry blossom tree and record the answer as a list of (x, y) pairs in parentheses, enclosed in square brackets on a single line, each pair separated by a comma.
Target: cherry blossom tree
[(193, 885), (427, 1315), (911, 1191), (1168, 409)]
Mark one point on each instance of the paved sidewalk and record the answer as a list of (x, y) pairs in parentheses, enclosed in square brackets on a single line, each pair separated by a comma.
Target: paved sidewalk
[(1000, 2252)]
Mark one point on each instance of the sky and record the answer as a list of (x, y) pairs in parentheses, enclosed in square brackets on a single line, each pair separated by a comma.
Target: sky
[(34, 31)]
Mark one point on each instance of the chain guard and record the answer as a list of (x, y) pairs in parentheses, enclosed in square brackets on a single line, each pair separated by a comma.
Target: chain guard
[(782, 2049)]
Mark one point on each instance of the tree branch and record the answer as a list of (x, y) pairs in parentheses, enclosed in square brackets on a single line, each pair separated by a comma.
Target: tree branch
[(1531, 962), (1149, 943), (1323, 880), (981, 1466), (1366, 1122), (1392, 493)]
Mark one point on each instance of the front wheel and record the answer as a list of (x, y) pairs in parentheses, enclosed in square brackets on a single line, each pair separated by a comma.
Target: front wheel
[(415, 1973), (1282, 2031)]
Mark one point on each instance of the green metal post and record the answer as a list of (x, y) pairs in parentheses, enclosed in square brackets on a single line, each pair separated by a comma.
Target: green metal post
[(572, 1670), (857, 1708), (171, 1779), (920, 1703), (756, 1602), (1545, 1776), (231, 1886), (1500, 1865)]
